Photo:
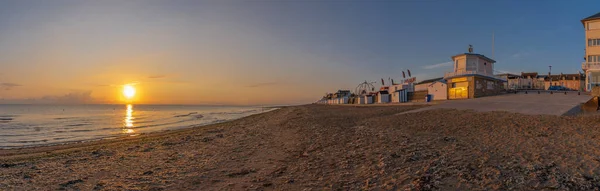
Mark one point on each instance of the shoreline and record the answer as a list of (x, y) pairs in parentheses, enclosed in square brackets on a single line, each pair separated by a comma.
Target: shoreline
[(53, 148)]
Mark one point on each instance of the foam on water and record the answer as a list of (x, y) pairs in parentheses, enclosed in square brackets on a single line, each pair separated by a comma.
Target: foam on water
[(34, 125)]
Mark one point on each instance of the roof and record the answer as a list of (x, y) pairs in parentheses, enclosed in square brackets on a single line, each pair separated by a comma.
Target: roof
[(566, 76), (489, 77), (529, 74), (478, 55), (430, 81), (507, 75), (596, 16)]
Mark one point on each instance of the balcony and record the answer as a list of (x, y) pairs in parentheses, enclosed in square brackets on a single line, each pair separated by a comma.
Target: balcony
[(462, 73), (590, 65)]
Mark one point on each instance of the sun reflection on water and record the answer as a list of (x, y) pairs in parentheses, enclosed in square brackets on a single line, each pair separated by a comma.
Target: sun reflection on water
[(129, 120)]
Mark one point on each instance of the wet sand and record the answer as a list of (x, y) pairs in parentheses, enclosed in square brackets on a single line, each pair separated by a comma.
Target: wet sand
[(317, 147)]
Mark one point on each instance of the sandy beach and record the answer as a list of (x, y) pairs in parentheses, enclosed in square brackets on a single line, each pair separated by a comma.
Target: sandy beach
[(318, 147)]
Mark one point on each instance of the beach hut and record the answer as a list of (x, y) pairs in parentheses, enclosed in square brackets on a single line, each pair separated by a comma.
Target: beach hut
[(395, 96), (383, 97), (438, 90), (368, 99), (424, 85), (360, 100)]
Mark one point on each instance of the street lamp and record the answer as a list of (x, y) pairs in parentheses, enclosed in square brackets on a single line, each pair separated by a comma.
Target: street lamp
[(550, 76)]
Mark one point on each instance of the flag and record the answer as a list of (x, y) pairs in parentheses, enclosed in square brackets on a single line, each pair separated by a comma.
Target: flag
[(403, 74), (409, 73), (382, 83)]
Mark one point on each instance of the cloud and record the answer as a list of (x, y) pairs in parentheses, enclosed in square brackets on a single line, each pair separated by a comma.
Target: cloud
[(261, 84), (157, 76), (433, 66), (519, 55), (500, 71), (84, 97), (8, 86), (70, 98)]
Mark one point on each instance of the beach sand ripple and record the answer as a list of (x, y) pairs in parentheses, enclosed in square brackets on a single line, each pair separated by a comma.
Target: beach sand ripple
[(319, 147)]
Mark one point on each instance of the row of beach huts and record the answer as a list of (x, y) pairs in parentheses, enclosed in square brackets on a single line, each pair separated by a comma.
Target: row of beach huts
[(395, 93)]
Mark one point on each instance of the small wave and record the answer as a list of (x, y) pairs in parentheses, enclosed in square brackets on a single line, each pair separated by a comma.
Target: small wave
[(78, 124), (6, 118), (65, 118), (185, 115), (237, 112), (33, 141), (81, 130)]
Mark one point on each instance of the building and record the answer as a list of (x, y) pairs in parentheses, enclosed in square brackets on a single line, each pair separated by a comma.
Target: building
[(472, 77), (510, 80), (531, 81), (368, 98), (438, 90), (574, 82), (423, 85), (591, 65), (383, 96)]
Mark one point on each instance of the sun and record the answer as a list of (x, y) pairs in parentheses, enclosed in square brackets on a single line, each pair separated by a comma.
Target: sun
[(128, 91)]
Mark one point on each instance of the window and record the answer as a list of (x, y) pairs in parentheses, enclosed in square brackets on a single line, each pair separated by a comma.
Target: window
[(593, 58), (593, 42)]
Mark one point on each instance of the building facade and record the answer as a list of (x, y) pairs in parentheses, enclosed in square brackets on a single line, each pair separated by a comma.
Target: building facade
[(591, 65), (575, 82), (472, 77)]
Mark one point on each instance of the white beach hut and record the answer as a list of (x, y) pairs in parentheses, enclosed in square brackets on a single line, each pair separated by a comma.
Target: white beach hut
[(438, 90)]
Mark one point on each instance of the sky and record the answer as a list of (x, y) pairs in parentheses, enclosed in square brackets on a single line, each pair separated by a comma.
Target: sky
[(266, 52)]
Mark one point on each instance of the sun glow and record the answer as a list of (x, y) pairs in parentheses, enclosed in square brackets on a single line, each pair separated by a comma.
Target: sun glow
[(128, 91)]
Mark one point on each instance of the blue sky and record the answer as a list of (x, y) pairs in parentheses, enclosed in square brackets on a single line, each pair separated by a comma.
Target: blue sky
[(206, 52)]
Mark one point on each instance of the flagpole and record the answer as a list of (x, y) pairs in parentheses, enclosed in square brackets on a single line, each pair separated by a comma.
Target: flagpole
[(493, 45)]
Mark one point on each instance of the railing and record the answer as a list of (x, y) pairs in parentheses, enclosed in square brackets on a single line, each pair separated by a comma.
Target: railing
[(462, 73), (590, 65)]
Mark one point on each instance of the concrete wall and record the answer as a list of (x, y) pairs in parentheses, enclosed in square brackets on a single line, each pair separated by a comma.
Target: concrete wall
[(484, 87), (421, 87), (438, 90)]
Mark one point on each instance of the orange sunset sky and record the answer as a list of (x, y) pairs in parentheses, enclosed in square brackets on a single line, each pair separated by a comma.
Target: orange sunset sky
[(260, 52), (84, 52)]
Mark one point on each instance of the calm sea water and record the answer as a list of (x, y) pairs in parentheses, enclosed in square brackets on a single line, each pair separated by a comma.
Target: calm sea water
[(33, 125)]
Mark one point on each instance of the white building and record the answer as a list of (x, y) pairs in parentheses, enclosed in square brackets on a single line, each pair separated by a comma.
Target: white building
[(591, 66), (438, 90)]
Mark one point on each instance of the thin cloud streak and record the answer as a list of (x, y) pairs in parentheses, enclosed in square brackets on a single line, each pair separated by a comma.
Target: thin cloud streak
[(433, 66), (261, 84), (9, 86)]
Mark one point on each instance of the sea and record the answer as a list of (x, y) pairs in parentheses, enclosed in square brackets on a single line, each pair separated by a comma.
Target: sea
[(37, 125)]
